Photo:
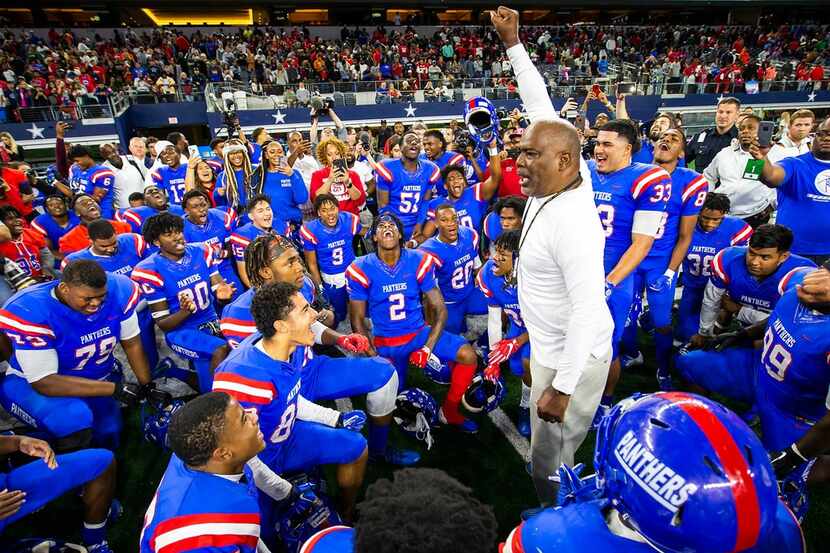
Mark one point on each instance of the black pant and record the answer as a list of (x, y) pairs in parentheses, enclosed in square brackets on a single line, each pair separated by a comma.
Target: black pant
[(759, 219)]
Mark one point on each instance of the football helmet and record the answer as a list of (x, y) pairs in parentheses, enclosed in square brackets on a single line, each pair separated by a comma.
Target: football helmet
[(45, 545), (155, 419), (437, 371), (416, 412), (304, 513), (484, 394), (686, 473), (481, 120)]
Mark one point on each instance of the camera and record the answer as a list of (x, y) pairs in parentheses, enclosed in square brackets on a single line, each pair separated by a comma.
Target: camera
[(321, 106), (463, 140), (230, 119)]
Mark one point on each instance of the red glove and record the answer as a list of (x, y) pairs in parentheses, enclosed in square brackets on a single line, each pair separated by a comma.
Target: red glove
[(492, 372), (353, 343), (503, 350), (419, 357)]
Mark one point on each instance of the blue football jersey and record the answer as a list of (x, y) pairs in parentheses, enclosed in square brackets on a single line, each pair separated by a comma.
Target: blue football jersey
[(705, 245), (131, 250), (688, 192), (618, 195), (392, 294), (804, 203), (729, 272), (269, 386), (135, 216), (216, 233), (200, 512), (50, 228), (795, 363), (500, 294), (171, 181), (646, 154), (86, 182), (447, 158), (407, 190), (35, 320), (244, 235), (333, 245), (163, 279), (454, 264), (470, 207)]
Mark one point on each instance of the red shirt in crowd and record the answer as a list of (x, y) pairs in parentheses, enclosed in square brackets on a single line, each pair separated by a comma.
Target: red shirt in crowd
[(339, 190), (14, 179), (25, 251)]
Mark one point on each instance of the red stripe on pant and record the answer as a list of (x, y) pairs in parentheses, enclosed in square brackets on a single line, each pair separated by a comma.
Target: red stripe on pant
[(460, 379)]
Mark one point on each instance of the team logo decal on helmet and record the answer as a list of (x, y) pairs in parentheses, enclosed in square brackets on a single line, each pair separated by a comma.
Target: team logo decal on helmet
[(416, 412), (481, 120), (483, 394)]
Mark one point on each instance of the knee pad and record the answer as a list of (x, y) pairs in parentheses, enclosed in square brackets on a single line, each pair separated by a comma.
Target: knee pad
[(381, 402), (74, 442)]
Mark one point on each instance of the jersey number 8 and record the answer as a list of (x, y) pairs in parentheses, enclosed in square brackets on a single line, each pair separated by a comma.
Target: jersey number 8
[(283, 431)]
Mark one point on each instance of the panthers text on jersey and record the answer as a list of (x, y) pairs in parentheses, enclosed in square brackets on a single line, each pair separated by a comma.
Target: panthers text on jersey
[(392, 294), (407, 191)]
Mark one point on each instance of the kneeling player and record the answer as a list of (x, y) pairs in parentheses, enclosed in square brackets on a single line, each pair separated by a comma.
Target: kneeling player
[(391, 281), (496, 281), (263, 375)]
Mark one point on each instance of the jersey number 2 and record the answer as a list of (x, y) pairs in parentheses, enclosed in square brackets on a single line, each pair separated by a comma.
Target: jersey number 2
[(397, 307)]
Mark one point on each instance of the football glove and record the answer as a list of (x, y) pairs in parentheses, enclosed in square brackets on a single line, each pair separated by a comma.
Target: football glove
[(663, 282), (300, 501), (786, 461), (353, 343), (503, 350), (352, 420), (573, 488), (725, 340), (492, 372), (155, 395), (419, 357), (129, 394)]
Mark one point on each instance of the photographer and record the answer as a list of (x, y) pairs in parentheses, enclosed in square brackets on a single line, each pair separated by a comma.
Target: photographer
[(320, 107), (336, 179)]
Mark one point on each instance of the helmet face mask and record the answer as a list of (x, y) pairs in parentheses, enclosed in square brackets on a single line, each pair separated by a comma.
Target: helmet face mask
[(718, 495), (416, 412), (483, 394), (481, 120)]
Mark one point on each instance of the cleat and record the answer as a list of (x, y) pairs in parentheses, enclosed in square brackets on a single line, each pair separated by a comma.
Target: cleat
[(523, 424), (397, 457), (468, 426), (629, 361), (664, 381), (102, 547), (602, 412)]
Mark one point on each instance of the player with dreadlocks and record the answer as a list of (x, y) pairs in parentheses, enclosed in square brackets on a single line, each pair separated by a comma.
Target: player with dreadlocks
[(273, 258), (234, 182), (497, 280)]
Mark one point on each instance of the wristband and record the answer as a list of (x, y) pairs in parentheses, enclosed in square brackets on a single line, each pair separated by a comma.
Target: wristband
[(493, 151), (669, 273)]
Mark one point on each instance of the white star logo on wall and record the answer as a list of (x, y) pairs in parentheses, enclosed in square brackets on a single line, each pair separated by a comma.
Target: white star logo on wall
[(37, 132), (279, 117), (410, 110), (811, 97)]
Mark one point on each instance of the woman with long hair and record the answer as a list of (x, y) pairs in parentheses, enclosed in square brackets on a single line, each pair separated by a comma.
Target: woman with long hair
[(275, 178), (234, 185), (201, 176), (13, 149), (336, 178)]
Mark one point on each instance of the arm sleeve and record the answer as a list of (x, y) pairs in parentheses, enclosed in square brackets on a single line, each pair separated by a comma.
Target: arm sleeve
[(493, 325), (584, 276), (129, 327), (531, 85), (748, 316), (709, 310), (268, 481), (298, 189), (310, 411)]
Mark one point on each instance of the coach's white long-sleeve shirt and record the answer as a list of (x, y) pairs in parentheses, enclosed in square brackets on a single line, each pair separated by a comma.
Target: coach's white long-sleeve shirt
[(561, 273)]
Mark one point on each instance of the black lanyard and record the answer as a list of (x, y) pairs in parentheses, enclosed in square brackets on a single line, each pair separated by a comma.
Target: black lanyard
[(573, 184)]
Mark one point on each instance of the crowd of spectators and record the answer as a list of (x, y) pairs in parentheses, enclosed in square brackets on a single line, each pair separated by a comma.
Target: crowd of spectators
[(65, 70)]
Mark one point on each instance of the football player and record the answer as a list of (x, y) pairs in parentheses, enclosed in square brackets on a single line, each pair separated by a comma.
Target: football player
[(28, 488), (272, 259), (656, 275), (506, 215), (155, 201), (265, 377), (63, 333), (747, 281), (435, 150), (179, 283), (262, 221), (57, 221), (714, 231), (388, 285), (674, 472), (26, 246), (497, 281), (631, 201), (455, 257), (87, 177), (405, 185), (327, 242), (169, 177)]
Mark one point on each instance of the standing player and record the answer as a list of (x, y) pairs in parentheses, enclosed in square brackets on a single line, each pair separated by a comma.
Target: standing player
[(179, 282), (506, 215), (404, 185), (714, 231), (207, 500), (87, 177), (470, 202), (170, 176), (631, 201), (327, 242), (655, 278), (496, 280), (455, 257), (56, 222), (435, 150), (213, 227), (273, 259), (264, 376), (28, 488), (388, 286), (63, 334), (262, 222), (155, 201), (747, 282)]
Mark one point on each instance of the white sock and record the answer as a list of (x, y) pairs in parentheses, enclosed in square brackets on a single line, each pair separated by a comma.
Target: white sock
[(525, 401)]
